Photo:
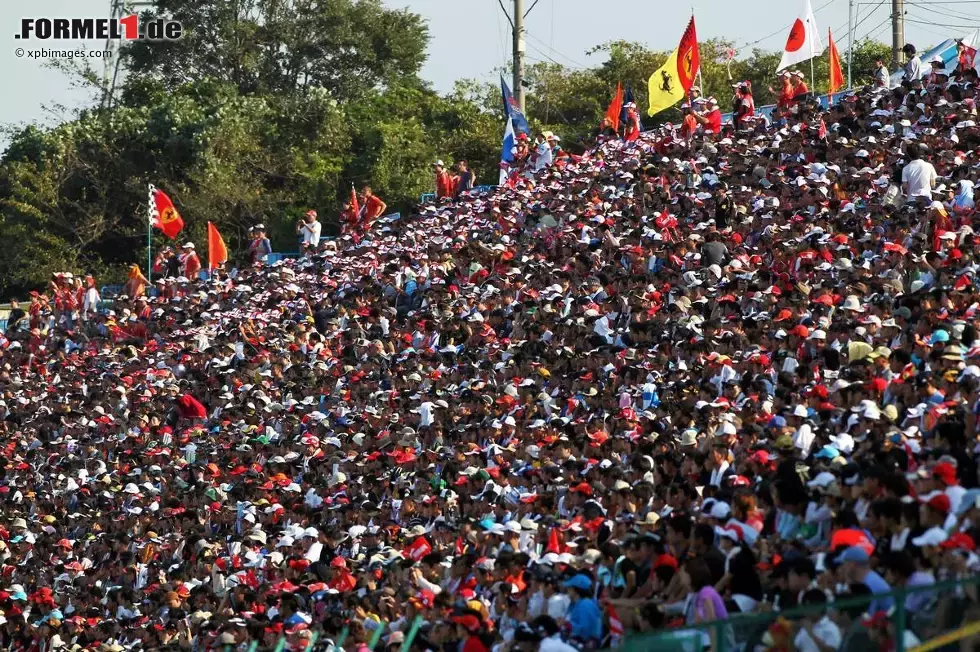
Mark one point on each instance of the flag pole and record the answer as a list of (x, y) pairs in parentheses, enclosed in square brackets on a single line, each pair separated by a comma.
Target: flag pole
[(704, 92), (149, 239)]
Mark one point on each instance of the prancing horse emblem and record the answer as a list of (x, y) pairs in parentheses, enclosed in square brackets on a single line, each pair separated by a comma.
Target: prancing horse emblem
[(666, 84)]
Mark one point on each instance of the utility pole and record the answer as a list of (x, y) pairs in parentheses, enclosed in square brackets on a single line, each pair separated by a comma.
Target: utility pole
[(850, 38), (898, 32), (518, 25)]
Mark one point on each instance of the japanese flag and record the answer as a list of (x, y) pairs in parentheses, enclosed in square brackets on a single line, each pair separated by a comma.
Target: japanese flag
[(803, 42)]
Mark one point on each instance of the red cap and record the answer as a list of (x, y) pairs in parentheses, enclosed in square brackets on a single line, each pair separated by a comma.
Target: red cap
[(939, 503), (959, 540), (800, 331), (878, 385), (666, 560), (582, 488), (338, 562), (820, 391), (469, 621), (945, 473), (760, 456), (784, 314)]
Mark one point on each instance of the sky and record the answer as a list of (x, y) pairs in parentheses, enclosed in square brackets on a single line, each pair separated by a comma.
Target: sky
[(471, 38)]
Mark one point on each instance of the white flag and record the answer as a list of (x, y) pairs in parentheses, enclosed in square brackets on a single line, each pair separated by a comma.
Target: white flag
[(507, 151), (803, 42)]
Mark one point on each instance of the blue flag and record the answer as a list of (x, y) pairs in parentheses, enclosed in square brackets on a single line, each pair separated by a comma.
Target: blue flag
[(507, 150), (512, 110), (626, 100)]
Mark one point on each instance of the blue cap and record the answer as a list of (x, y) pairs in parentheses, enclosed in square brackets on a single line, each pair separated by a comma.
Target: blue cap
[(828, 452), (855, 554), (580, 582), (938, 336), (777, 422)]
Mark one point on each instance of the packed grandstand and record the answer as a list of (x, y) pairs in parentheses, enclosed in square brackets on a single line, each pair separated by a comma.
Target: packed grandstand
[(684, 377)]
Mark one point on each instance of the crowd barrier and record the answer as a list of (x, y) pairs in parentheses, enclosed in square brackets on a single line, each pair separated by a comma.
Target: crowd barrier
[(431, 196), (768, 109), (939, 617)]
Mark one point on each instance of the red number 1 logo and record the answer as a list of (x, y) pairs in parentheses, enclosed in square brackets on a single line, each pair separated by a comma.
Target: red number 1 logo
[(131, 26)]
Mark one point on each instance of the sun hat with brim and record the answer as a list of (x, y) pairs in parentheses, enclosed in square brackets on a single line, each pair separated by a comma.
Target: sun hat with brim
[(652, 518)]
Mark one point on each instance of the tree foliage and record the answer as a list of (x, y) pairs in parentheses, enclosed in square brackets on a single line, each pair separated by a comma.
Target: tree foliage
[(266, 108)]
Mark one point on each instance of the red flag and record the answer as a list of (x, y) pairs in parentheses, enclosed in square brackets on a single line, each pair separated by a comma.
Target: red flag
[(217, 251), (163, 215), (688, 57), (836, 73), (555, 543), (419, 549), (354, 205), (966, 57), (615, 107)]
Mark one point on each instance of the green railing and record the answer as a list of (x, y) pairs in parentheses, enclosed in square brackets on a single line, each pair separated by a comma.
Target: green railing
[(945, 612)]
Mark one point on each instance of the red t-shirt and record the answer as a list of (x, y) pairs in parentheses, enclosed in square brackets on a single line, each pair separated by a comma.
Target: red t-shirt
[(373, 207), (444, 185), (714, 122), (474, 644)]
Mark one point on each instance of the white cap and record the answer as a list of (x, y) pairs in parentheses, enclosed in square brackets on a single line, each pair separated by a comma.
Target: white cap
[(188, 245)]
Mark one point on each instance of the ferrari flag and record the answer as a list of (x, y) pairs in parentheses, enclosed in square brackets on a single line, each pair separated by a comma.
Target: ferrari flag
[(669, 83), (163, 215)]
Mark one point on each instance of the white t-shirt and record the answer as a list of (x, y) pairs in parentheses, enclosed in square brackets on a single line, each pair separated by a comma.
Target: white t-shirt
[(826, 630), (311, 233), (920, 177)]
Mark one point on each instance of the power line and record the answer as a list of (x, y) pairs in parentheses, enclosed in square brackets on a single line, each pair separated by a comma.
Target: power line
[(933, 9), (926, 20), (563, 56), (929, 23), (782, 29), (937, 2), (881, 27), (868, 15)]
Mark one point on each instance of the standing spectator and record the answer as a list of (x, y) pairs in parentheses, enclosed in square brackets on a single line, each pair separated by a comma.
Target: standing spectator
[(90, 299), (800, 89), (784, 96), (15, 317), (881, 78), (744, 105), (259, 247), (632, 129), (136, 283), (309, 231), (190, 261), (918, 176), (444, 183), (374, 207), (913, 67), (464, 177)]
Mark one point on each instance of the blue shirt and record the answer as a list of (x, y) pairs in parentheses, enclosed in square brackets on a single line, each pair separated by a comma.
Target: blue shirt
[(878, 585), (586, 620)]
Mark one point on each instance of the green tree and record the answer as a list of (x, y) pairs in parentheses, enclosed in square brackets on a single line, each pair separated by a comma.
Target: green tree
[(280, 46)]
